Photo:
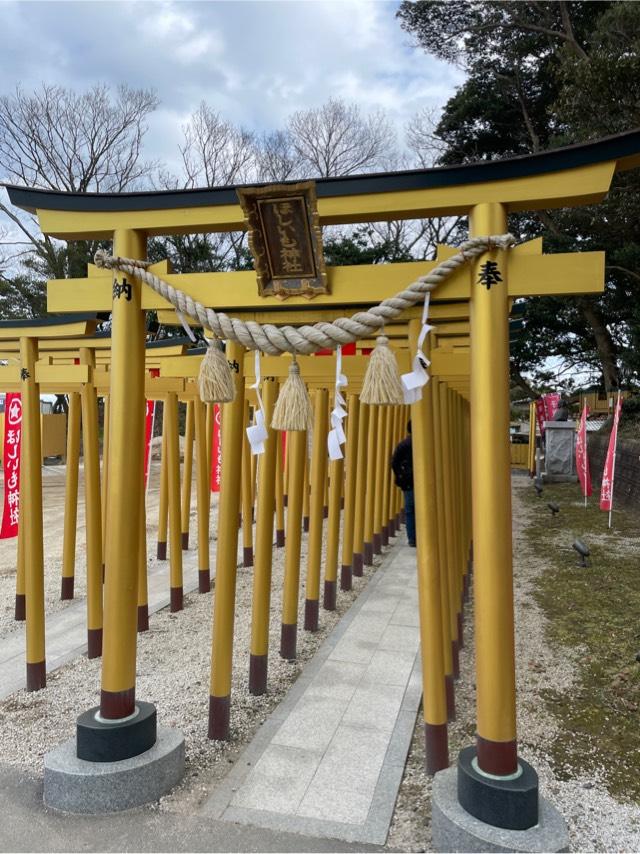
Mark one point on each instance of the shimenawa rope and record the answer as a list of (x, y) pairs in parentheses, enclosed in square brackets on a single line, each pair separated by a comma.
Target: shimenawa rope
[(304, 339), (381, 386)]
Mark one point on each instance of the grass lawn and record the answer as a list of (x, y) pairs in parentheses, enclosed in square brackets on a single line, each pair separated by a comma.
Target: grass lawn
[(595, 614)]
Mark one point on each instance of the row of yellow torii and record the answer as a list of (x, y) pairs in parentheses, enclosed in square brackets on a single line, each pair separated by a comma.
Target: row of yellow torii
[(365, 525), (461, 474)]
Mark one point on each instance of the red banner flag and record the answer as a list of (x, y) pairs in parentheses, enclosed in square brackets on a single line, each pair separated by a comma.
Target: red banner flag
[(540, 415), (582, 457), (148, 435), (11, 465), (551, 402), (608, 475), (216, 450)]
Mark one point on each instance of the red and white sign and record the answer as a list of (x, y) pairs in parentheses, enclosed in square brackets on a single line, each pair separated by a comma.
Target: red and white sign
[(11, 465), (582, 457), (216, 449), (148, 434), (608, 475)]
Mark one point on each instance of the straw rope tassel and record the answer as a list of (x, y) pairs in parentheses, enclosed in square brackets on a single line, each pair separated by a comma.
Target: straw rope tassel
[(293, 410), (382, 385), (215, 380)]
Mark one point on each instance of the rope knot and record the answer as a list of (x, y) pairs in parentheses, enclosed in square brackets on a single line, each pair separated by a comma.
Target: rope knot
[(102, 259), (294, 367)]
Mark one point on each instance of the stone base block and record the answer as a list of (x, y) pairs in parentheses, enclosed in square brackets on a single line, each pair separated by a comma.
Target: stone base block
[(559, 478), (77, 786), (454, 829)]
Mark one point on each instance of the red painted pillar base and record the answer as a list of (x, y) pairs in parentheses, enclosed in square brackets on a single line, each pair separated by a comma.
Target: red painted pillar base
[(436, 744)]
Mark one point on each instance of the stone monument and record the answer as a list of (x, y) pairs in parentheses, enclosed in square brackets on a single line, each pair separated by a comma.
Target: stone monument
[(560, 443)]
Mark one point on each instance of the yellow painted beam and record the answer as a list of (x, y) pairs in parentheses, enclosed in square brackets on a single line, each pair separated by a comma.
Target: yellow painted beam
[(162, 385), (57, 344), (62, 330), (155, 388), (556, 275), (398, 333), (444, 330), (61, 373), (351, 286), (64, 347), (449, 363), (181, 366), (102, 359), (568, 188), (313, 369), (455, 340), (9, 375), (395, 343), (153, 357)]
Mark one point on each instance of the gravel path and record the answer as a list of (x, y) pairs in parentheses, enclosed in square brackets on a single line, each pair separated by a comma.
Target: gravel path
[(53, 484), (53, 489), (597, 822)]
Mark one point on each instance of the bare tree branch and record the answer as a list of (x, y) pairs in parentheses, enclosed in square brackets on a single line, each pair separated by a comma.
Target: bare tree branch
[(58, 139), (421, 138), (278, 160), (335, 139), (215, 152), (626, 270)]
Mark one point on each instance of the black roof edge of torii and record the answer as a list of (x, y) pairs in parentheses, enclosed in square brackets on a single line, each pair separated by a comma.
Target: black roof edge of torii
[(618, 147), (49, 320)]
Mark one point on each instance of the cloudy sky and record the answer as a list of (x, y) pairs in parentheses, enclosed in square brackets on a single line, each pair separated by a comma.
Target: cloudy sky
[(254, 62)]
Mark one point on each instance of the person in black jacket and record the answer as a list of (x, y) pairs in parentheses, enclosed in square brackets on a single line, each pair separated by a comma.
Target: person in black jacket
[(402, 466)]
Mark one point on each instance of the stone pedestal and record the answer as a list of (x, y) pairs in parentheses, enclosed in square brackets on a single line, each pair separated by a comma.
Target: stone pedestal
[(560, 442), (454, 829), (77, 786)]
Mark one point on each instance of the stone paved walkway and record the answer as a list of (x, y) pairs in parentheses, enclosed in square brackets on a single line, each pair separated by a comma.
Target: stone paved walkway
[(329, 760)]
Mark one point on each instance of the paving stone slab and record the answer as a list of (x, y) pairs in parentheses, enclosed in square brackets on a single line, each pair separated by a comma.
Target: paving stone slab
[(329, 760)]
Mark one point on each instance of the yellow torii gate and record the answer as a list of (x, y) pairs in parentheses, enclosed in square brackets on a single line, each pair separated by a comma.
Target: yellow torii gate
[(30, 377), (70, 365), (485, 192)]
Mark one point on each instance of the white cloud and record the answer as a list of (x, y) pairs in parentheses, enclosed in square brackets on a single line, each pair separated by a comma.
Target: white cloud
[(169, 23), (254, 62)]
